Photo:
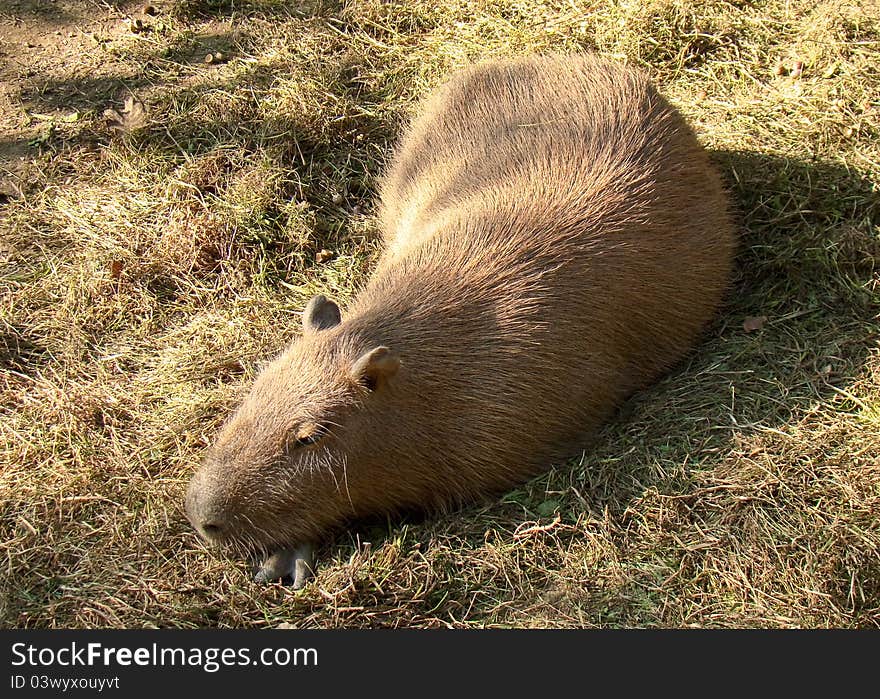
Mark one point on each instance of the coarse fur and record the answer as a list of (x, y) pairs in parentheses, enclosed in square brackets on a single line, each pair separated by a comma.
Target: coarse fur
[(556, 238)]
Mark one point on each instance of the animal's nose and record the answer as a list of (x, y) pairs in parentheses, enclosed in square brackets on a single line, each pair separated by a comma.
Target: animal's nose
[(203, 513), (212, 531)]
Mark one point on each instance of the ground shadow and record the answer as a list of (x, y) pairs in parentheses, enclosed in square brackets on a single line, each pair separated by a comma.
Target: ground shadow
[(227, 9)]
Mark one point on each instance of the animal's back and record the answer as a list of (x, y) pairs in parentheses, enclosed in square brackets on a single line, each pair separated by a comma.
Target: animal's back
[(575, 135)]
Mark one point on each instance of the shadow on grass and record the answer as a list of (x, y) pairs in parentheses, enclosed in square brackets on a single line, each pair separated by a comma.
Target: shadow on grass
[(95, 92), (56, 14), (77, 10), (185, 124), (227, 9), (20, 353)]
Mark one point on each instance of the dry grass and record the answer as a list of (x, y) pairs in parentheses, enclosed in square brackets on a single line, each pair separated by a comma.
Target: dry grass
[(146, 274)]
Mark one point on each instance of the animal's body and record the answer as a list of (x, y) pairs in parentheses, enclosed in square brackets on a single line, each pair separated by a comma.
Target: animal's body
[(556, 238)]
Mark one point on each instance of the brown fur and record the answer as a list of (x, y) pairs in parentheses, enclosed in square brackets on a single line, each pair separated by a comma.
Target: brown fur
[(556, 239)]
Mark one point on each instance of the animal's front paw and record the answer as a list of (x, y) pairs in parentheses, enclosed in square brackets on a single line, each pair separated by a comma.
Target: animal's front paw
[(296, 564)]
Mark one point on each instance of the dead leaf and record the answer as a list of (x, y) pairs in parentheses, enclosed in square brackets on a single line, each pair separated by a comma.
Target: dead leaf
[(132, 116), (752, 323), (115, 269)]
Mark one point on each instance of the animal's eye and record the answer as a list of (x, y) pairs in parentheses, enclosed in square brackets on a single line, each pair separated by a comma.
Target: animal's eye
[(306, 439), (308, 435)]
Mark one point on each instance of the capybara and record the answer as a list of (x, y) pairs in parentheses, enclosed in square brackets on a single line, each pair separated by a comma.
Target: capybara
[(555, 239)]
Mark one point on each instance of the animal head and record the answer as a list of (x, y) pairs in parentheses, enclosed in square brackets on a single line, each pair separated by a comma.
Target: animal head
[(280, 470)]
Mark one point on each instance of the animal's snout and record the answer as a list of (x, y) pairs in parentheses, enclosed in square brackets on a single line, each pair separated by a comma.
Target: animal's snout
[(205, 512)]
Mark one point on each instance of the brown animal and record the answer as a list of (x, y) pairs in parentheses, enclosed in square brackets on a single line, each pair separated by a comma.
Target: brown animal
[(556, 239)]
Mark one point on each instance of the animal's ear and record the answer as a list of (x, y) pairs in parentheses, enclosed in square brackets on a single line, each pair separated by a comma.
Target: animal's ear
[(320, 313), (375, 367)]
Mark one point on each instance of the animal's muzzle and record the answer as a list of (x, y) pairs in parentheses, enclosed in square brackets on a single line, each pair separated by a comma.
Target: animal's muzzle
[(204, 511)]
